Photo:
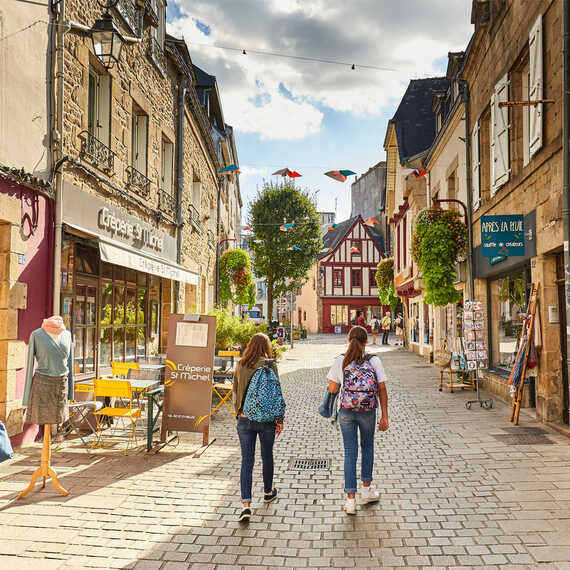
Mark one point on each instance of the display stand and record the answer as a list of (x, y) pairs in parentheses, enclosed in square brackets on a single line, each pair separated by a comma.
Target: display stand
[(527, 332), (476, 353), (465, 381), (44, 470)]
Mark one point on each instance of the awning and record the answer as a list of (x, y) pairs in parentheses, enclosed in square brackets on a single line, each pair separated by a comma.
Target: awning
[(132, 259)]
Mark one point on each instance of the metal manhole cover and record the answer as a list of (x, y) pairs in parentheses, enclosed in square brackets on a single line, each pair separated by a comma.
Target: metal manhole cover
[(523, 439), (309, 464), (525, 430)]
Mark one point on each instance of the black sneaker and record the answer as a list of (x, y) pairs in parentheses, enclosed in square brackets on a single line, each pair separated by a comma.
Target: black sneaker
[(245, 515), (270, 497)]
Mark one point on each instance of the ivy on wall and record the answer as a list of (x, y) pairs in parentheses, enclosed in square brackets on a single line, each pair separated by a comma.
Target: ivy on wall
[(385, 281)]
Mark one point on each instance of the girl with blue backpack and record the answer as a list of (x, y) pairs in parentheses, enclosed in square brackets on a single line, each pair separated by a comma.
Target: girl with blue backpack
[(360, 377), (260, 408)]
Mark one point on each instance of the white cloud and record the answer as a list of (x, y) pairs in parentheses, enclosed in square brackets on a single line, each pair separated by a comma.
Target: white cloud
[(252, 171), (407, 35)]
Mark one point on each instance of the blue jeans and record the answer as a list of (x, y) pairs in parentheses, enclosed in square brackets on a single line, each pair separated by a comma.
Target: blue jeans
[(350, 423), (248, 431)]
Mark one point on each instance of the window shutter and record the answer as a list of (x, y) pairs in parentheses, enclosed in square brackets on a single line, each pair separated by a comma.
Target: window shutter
[(475, 167), (104, 109), (535, 86), (141, 138), (500, 165), (166, 167)]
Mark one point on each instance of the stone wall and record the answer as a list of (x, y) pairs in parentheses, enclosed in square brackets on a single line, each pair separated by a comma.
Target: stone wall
[(536, 185)]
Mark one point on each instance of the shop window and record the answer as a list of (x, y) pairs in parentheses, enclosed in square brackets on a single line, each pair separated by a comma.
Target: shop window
[(508, 298), (356, 277), (338, 278), (87, 260), (67, 264), (339, 315), (414, 323)]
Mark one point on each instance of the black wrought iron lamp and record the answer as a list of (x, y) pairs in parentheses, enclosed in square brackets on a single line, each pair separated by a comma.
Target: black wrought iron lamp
[(107, 38)]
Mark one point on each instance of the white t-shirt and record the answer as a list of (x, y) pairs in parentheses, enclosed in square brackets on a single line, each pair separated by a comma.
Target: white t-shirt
[(336, 373)]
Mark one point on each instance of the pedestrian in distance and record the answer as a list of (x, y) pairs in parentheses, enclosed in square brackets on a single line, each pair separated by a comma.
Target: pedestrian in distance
[(260, 409), (375, 326), (360, 320), (386, 324), (399, 324), (360, 377)]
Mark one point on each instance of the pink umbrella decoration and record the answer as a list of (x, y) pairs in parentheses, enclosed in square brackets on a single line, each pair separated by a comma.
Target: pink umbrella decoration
[(339, 175)]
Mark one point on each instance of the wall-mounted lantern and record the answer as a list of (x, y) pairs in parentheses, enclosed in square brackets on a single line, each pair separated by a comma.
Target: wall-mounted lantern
[(107, 38)]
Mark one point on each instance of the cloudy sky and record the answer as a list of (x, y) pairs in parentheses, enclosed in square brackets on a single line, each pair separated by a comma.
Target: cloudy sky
[(309, 116)]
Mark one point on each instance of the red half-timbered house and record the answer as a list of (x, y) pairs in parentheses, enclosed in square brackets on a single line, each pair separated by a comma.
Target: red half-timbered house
[(347, 268)]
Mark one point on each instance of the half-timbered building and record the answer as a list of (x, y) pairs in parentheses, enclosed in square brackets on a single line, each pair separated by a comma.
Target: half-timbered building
[(347, 269)]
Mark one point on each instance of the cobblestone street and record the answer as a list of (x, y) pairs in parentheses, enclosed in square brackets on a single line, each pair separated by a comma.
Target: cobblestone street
[(455, 491)]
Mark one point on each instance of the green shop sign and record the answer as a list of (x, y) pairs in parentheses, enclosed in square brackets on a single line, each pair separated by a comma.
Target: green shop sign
[(502, 236)]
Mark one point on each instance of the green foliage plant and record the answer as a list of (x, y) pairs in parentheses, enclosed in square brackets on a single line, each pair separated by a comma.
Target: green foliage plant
[(385, 281), (439, 240), (284, 269), (236, 279)]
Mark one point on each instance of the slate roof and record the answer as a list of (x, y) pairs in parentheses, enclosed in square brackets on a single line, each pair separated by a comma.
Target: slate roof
[(333, 237), (203, 79), (414, 120)]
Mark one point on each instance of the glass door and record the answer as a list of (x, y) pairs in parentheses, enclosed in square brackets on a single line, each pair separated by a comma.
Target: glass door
[(85, 325)]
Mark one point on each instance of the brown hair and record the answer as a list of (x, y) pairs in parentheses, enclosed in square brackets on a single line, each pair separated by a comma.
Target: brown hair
[(258, 347), (357, 339)]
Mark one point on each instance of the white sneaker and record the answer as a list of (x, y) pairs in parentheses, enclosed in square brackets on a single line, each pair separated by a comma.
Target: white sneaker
[(350, 506), (369, 494)]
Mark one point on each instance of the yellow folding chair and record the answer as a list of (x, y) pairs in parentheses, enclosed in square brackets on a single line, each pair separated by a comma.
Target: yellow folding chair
[(223, 391), (115, 389), (121, 369)]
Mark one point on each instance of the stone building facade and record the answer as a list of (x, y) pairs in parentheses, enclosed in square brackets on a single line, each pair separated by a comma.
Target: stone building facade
[(516, 54), (134, 204)]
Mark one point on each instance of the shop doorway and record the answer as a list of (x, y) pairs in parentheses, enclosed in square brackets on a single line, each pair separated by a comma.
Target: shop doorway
[(560, 282), (85, 326)]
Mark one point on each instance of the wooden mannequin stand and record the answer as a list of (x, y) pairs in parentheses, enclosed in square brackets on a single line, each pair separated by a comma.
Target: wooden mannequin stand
[(44, 470)]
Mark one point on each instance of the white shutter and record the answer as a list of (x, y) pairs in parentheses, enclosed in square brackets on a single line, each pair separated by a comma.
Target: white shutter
[(500, 165), (140, 126), (167, 166), (104, 109), (475, 167), (535, 86)]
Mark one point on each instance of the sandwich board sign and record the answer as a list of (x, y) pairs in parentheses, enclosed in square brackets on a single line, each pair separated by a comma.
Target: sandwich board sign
[(189, 374)]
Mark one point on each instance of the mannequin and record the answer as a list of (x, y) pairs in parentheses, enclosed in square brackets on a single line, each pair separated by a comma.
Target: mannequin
[(48, 389)]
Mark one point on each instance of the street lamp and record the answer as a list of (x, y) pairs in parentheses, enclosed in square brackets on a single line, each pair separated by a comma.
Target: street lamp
[(107, 38)]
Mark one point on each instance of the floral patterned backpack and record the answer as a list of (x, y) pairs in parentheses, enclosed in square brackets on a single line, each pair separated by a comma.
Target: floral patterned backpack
[(360, 387)]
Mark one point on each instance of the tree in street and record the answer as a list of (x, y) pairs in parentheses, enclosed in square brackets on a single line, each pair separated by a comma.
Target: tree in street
[(286, 238)]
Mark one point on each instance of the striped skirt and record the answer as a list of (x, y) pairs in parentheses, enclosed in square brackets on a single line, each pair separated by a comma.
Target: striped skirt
[(48, 400)]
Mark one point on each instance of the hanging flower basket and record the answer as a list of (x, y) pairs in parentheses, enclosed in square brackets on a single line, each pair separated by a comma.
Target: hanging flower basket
[(236, 280), (439, 241)]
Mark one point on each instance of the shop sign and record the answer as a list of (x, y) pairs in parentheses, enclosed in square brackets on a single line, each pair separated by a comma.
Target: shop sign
[(87, 212), (189, 374), (502, 236)]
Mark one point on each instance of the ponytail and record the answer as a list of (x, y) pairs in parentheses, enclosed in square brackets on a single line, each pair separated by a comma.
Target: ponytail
[(357, 338)]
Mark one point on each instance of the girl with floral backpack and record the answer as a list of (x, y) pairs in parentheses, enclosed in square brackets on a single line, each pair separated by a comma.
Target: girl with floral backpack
[(360, 377)]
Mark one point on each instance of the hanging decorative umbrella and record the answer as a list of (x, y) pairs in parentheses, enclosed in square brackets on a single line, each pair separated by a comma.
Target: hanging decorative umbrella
[(371, 222), (294, 248), (258, 241), (231, 169), (287, 227), (326, 250), (286, 172), (333, 227), (247, 228), (354, 250)]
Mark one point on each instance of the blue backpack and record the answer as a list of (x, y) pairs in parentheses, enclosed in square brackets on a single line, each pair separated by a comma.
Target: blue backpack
[(264, 400), (6, 451)]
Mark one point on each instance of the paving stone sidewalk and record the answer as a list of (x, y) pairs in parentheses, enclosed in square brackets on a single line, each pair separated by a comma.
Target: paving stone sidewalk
[(456, 491)]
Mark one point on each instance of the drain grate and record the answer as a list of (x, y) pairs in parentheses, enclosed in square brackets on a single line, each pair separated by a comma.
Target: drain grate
[(524, 439), (309, 464), (526, 430)]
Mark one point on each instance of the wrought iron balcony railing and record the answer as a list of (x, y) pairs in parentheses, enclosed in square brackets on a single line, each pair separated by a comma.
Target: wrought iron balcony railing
[(156, 54), (194, 218), (97, 152), (138, 182), (167, 202), (211, 240)]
